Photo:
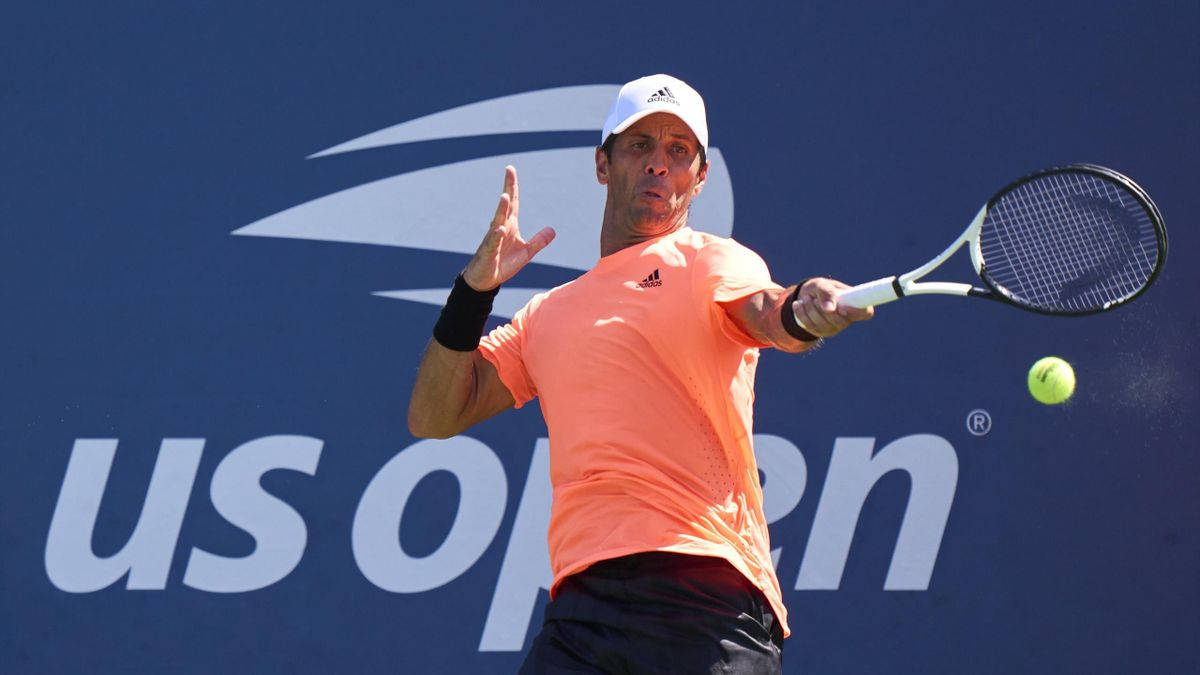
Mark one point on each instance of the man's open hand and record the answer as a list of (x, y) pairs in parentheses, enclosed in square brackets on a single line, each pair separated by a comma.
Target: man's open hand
[(503, 252)]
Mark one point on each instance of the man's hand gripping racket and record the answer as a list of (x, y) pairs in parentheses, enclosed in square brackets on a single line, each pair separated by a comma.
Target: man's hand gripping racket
[(1069, 241)]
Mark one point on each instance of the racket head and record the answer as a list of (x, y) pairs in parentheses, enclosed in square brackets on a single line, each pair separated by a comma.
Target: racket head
[(1070, 240)]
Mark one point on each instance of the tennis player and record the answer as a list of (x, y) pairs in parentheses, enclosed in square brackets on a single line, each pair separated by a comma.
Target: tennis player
[(644, 367)]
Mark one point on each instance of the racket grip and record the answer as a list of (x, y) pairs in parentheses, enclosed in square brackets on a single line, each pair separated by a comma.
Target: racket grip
[(870, 294)]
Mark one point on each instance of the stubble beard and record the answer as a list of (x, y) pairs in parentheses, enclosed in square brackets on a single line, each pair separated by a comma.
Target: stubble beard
[(626, 222), (648, 221)]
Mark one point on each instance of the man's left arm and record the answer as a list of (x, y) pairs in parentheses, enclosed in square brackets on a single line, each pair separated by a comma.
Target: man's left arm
[(816, 313)]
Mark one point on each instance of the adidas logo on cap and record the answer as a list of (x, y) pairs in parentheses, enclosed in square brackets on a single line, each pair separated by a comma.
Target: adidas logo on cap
[(664, 95)]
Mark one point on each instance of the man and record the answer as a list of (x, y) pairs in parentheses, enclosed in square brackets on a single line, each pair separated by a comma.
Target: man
[(644, 366)]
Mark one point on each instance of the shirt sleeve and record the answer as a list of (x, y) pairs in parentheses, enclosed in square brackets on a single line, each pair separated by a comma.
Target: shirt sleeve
[(729, 271), (504, 348)]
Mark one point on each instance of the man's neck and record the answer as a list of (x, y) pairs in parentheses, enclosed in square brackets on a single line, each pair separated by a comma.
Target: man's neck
[(616, 235)]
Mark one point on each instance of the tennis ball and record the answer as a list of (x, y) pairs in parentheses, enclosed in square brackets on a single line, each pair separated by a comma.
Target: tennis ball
[(1051, 380)]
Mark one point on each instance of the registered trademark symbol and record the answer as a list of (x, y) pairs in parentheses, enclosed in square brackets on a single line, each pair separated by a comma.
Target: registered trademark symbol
[(979, 422)]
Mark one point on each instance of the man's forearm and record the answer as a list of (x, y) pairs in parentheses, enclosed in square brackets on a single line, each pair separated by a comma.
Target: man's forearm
[(761, 316), (765, 315)]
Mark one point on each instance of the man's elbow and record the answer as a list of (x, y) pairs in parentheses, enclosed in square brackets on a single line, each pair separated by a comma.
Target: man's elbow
[(422, 431), (418, 429), (426, 426)]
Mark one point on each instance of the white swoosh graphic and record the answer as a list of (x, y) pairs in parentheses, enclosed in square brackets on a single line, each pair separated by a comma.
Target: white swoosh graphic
[(580, 108), (448, 207)]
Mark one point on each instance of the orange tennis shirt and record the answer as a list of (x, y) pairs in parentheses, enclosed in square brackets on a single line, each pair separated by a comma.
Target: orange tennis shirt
[(647, 388)]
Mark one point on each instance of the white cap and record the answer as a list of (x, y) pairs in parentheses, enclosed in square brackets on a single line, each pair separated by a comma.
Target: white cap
[(657, 93)]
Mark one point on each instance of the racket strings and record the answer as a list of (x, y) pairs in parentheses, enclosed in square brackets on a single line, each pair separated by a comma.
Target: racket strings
[(1068, 265), (1069, 242)]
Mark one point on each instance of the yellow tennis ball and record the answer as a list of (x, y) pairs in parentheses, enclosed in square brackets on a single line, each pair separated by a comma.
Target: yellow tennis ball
[(1051, 380)]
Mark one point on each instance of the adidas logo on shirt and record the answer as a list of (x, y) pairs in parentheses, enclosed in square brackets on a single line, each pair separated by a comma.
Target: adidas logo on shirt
[(650, 281), (664, 95)]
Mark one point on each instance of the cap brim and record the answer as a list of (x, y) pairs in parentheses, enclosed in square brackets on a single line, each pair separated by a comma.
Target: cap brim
[(632, 119)]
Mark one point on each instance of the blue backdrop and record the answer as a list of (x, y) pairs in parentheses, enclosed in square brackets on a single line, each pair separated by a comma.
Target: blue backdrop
[(206, 461)]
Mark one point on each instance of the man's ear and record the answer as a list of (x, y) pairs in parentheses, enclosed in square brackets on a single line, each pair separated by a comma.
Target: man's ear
[(601, 166), (702, 176)]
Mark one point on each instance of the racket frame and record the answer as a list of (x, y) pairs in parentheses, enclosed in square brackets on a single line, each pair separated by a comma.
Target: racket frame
[(888, 289)]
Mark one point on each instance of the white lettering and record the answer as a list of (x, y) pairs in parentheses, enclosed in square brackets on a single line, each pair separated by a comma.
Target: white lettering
[(482, 495), (526, 566), (279, 532), (71, 563), (281, 535), (933, 468)]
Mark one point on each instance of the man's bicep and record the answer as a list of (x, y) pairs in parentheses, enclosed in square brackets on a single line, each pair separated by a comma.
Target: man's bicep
[(747, 317), (491, 394)]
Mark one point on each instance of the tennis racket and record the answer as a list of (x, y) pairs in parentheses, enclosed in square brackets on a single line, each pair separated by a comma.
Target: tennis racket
[(1070, 241)]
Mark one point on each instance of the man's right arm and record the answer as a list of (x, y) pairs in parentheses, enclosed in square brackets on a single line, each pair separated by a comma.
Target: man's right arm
[(455, 389)]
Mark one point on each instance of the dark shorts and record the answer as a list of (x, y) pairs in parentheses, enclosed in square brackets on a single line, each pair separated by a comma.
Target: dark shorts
[(657, 613)]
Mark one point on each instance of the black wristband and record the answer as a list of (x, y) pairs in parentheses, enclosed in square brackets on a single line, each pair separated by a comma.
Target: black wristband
[(788, 318), (461, 323)]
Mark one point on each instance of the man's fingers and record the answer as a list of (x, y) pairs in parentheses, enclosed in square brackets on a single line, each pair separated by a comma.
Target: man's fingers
[(540, 240), (510, 177), (510, 189), (824, 294), (856, 313), (501, 211), (851, 313), (810, 320), (801, 319), (825, 298), (819, 321)]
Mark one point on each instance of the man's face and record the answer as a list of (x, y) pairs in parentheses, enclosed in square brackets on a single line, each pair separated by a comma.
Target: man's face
[(653, 174)]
